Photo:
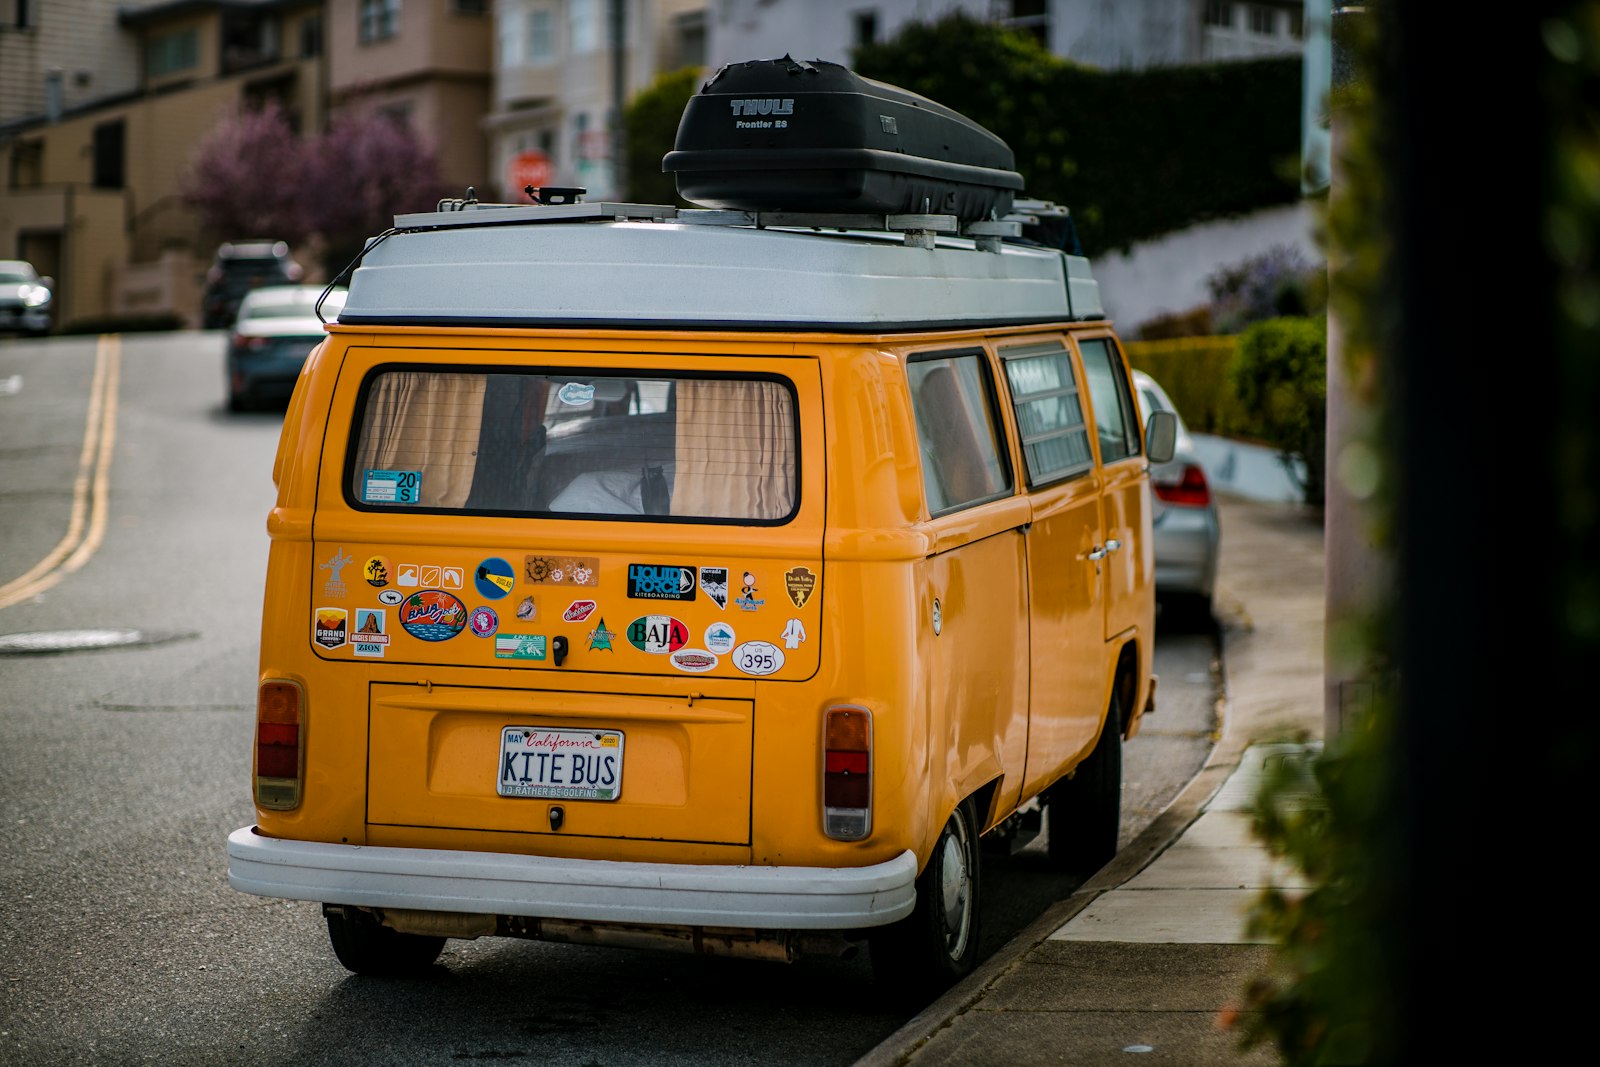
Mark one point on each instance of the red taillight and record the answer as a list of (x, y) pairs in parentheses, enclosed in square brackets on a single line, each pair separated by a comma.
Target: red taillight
[(249, 343), (280, 737), (1191, 489), (847, 772)]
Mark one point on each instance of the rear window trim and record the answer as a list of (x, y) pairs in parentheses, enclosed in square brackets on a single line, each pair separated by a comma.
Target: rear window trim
[(358, 418)]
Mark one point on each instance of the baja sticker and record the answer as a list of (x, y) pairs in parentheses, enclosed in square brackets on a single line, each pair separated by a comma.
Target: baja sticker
[(376, 571), (793, 634), (657, 634), (370, 638), (527, 609), (600, 638), (747, 598), (561, 570), (693, 660), (651, 581), (391, 487), (391, 597), (719, 638), (800, 583), (578, 611), (406, 575), (483, 621), (432, 615), (714, 582), (575, 393), (335, 567), (329, 628), (758, 657), (519, 646), (494, 578)]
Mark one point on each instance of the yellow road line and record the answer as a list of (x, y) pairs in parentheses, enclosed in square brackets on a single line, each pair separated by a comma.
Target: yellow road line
[(91, 488)]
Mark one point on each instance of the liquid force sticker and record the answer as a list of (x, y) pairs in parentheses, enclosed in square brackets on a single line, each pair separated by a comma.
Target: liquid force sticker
[(391, 487), (329, 627), (714, 581), (494, 578), (657, 634), (800, 583), (651, 581), (432, 615), (561, 570), (484, 622), (758, 657)]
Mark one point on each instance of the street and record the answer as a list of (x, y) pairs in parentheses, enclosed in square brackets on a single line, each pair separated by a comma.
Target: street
[(134, 510)]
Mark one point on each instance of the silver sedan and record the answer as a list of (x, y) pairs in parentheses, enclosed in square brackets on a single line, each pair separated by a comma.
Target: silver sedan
[(1187, 532)]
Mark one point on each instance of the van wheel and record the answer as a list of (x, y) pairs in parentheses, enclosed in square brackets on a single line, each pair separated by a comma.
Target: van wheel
[(937, 944), (1086, 809), (366, 946)]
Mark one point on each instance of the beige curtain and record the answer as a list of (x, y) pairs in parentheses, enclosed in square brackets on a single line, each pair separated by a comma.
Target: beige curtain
[(429, 423), (735, 450)]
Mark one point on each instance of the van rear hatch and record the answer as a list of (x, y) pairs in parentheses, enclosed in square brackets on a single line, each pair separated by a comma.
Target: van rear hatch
[(561, 573)]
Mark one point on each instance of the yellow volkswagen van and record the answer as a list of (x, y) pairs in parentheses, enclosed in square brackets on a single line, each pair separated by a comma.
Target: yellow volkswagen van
[(705, 578)]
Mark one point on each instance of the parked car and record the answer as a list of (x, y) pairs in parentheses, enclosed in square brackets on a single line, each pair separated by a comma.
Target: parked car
[(237, 268), (25, 298), (276, 328), (1188, 534)]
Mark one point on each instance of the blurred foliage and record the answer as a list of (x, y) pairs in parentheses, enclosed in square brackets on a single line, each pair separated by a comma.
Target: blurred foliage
[(1279, 374), (1194, 373), (1278, 282), (651, 119), (1133, 154), (249, 177)]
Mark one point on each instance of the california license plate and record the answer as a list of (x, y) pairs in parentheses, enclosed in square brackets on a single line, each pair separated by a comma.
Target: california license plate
[(563, 764)]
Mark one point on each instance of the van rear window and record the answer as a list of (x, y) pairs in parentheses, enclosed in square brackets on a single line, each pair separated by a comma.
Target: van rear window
[(614, 445)]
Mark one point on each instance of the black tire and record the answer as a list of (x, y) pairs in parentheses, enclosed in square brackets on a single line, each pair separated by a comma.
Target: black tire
[(1086, 808), (366, 946), (937, 944), (1187, 612)]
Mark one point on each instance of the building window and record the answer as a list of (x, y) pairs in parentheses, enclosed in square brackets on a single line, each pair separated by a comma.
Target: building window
[(380, 20), (1219, 13), (24, 14), (1263, 19), (27, 164), (471, 7), (1297, 22), (311, 37), (690, 30), (110, 139), (864, 28), (1033, 18), (584, 26), (541, 35), (171, 53)]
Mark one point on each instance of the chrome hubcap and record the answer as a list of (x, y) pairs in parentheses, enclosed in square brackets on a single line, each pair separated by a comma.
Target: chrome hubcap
[(955, 886)]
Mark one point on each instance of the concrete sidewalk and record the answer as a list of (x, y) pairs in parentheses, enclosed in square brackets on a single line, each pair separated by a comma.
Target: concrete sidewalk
[(1144, 956)]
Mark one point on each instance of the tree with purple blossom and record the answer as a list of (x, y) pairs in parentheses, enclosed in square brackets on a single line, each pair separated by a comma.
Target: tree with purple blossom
[(245, 177)]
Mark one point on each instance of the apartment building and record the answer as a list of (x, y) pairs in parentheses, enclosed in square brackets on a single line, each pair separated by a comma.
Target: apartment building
[(561, 69)]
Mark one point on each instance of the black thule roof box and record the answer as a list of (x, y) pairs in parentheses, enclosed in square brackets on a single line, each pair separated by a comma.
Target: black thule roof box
[(790, 135)]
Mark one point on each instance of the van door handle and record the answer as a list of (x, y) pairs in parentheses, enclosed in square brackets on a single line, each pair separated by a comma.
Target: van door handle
[(1113, 544), (1097, 553)]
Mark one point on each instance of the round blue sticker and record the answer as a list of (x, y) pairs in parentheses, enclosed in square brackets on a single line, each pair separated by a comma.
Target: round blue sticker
[(494, 578)]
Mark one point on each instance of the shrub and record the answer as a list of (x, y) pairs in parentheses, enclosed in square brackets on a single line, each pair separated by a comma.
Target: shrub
[(651, 121), (1278, 282), (1280, 376), (1194, 373)]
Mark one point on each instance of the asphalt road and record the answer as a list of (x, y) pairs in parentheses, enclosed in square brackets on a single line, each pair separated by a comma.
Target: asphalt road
[(123, 769)]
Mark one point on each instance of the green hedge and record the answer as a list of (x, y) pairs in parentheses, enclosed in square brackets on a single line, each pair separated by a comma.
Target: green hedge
[(1133, 154), (1194, 373)]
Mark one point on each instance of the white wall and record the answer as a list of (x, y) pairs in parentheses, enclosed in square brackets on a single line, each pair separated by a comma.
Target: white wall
[(1169, 274)]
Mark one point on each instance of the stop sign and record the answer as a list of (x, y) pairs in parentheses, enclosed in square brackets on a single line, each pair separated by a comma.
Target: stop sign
[(528, 168)]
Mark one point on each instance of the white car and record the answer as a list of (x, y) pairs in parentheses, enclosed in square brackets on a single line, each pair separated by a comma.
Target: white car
[(25, 298), (1188, 535), (276, 328)]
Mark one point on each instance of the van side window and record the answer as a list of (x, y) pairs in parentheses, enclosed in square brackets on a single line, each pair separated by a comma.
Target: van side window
[(1114, 420), (953, 401), (1044, 391), (612, 445)]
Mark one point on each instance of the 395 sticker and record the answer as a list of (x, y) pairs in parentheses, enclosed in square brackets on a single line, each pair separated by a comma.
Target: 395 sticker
[(758, 657)]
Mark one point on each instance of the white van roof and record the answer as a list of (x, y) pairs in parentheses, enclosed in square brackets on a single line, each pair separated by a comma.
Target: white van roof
[(638, 266)]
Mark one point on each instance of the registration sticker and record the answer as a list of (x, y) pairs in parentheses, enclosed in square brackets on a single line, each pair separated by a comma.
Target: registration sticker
[(560, 764), (391, 487)]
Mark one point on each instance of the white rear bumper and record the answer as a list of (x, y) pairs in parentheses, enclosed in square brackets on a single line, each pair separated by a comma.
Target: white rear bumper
[(674, 894)]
